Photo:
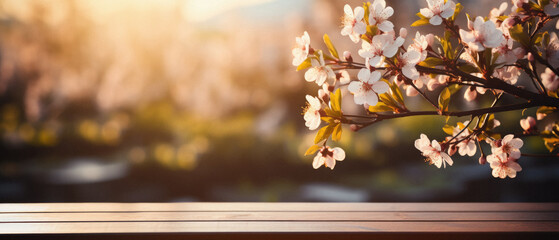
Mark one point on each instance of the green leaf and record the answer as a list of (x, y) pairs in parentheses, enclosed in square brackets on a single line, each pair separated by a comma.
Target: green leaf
[(444, 99), (330, 46), (517, 33), (447, 45), (420, 22), (324, 133), (448, 129), (380, 107), (468, 68), (336, 101), (337, 134), (396, 93), (546, 110), (551, 143), (366, 8), (535, 6), (305, 64), (431, 62), (312, 150), (387, 99), (332, 113), (457, 11)]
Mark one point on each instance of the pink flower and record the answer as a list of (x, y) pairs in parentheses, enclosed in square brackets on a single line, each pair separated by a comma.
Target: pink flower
[(550, 80), (528, 123), (312, 112), (383, 45), (503, 166), (438, 10), (483, 35), (552, 50), (327, 156), (319, 72), (301, 51), (467, 146), (379, 14), (408, 60), (353, 26), (366, 89), (432, 151), (508, 145)]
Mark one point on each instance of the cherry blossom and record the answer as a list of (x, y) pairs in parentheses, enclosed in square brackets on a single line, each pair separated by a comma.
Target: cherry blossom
[(407, 61), (344, 77), (319, 72), (419, 83), (301, 51), (312, 112), (439, 80), (378, 15), (438, 10), (508, 74), (471, 92), (495, 13), (366, 89), (550, 80), (508, 145), (353, 25), (528, 123), (484, 34), (432, 151), (328, 156), (383, 45), (552, 50), (466, 146), (420, 44), (502, 166)]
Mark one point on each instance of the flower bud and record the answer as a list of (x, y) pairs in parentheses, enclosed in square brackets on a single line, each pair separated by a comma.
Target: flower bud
[(347, 56), (452, 150), (323, 95), (354, 127), (403, 32), (470, 94), (509, 22), (528, 124), (482, 160), (540, 116), (530, 57), (430, 38)]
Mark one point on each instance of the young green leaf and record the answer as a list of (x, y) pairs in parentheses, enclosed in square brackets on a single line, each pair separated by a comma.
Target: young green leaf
[(380, 107), (444, 99), (336, 101), (305, 64), (330, 46), (396, 93), (420, 22), (337, 133), (448, 129), (324, 133), (313, 149), (431, 62), (457, 11), (517, 33)]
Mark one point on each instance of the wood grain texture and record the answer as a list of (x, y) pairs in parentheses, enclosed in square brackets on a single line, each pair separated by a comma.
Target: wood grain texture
[(298, 220)]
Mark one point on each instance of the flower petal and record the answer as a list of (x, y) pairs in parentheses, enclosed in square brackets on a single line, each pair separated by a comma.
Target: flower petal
[(380, 87), (339, 154)]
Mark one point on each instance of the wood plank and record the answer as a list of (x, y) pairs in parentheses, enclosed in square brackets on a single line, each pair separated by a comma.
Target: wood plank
[(254, 207), (274, 227), (278, 216)]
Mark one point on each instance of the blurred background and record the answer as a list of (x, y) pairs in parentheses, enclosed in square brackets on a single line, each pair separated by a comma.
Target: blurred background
[(147, 100)]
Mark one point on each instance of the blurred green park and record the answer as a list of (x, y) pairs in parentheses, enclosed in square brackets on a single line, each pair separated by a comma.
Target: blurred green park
[(128, 101)]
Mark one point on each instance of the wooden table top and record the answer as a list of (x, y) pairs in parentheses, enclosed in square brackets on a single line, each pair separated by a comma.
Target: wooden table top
[(300, 219)]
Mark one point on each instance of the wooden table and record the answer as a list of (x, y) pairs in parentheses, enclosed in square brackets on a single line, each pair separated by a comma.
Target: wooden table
[(279, 221)]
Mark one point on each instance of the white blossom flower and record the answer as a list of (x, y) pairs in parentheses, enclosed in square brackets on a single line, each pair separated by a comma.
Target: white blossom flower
[(407, 61), (509, 74), (438, 10), (495, 13), (484, 34), (471, 92), (378, 15), (432, 151), (312, 112), (508, 145), (353, 25), (528, 123), (319, 72), (420, 44), (552, 50), (466, 146), (503, 166), (439, 80), (328, 156), (383, 45), (366, 89), (550, 80), (301, 51)]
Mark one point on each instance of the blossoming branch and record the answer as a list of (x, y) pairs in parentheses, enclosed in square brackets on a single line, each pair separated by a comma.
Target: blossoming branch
[(485, 57)]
